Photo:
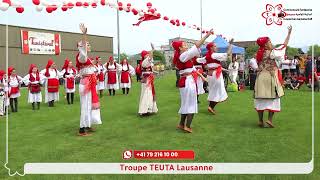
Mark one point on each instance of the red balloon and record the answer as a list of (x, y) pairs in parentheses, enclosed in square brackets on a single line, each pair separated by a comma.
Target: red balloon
[(103, 2), (78, 4), (152, 11), (85, 4), (158, 15), (149, 4), (49, 9), (54, 7), (120, 4), (166, 18), (134, 11), (178, 24), (177, 20), (64, 8), (94, 5), (20, 9), (7, 1), (120, 8), (36, 2), (183, 24), (128, 5), (70, 5)]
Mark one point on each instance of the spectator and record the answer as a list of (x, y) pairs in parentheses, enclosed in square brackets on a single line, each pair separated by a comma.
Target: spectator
[(287, 82), (253, 66), (301, 79), (285, 66), (295, 85), (242, 66), (138, 72), (308, 65), (233, 70), (318, 64), (302, 67), (293, 65)]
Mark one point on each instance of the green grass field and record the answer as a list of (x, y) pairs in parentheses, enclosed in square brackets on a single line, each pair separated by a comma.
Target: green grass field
[(50, 135)]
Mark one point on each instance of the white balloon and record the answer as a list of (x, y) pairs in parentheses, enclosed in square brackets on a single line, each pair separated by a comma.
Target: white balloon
[(15, 3), (45, 3), (4, 6), (39, 8), (141, 13)]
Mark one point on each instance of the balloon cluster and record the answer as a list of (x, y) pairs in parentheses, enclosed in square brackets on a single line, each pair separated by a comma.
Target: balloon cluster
[(70, 4), (5, 4)]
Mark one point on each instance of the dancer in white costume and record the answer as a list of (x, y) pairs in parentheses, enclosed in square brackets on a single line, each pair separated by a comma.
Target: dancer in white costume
[(52, 83), (112, 80), (89, 100), (14, 82), (233, 70), (4, 102), (125, 78), (183, 60), (101, 76), (69, 74), (268, 88), (217, 91), (34, 80), (200, 68), (148, 103)]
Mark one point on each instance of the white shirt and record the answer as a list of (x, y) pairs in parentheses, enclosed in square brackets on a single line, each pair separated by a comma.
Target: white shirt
[(187, 55), (294, 64), (14, 81), (253, 64), (233, 67), (242, 66)]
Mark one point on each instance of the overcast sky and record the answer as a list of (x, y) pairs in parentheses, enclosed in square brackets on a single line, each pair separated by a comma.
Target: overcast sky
[(238, 19)]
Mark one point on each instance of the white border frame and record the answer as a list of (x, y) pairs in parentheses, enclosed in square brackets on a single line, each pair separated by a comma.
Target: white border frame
[(114, 168)]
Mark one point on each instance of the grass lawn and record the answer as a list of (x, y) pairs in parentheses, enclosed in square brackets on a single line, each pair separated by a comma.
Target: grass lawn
[(50, 135)]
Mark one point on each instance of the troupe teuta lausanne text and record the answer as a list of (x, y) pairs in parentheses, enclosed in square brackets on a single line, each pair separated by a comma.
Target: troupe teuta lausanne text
[(164, 167)]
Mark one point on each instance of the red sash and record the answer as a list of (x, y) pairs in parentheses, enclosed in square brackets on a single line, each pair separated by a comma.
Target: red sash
[(53, 85), (182, 80), (13, 90), (70, 83), (112, 77), (150, 83), (125, 77), (101, 77), (90, 83)]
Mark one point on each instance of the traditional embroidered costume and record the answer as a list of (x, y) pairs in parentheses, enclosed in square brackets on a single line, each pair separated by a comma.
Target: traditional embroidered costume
[(14, 91), (34, 80), (148, 102), (69, 74)]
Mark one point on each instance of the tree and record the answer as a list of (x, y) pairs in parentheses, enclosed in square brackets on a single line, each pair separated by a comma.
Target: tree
[(292, 52), (159, 56), (251, 51), (316, 50), (123, 56)]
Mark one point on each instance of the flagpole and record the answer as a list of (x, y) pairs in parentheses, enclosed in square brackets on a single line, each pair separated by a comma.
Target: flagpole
[(201, 17), (118, 33)]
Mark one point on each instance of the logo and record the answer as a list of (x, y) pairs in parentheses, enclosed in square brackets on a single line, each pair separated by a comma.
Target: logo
[(127, 155), (274, 14)]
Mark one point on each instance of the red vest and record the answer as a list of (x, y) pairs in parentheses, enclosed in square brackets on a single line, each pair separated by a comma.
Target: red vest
[(210, 60), (34, 88), (107, 66), (188, 64), (82, 65)]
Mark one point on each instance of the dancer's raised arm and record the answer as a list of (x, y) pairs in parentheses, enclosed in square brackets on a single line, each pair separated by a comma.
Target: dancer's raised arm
[(199, 43), (288, 36)]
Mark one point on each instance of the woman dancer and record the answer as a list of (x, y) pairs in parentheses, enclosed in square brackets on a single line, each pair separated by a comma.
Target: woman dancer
[(268, 89)]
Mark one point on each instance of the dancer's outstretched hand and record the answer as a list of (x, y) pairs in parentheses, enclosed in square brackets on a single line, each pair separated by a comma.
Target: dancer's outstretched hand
[(83, 28), (289, 28)]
